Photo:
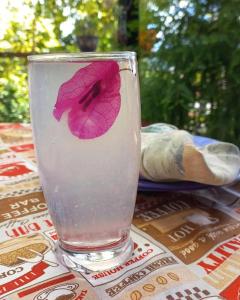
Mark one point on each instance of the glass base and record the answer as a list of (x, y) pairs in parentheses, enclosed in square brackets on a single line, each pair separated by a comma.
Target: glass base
[(87, 262)]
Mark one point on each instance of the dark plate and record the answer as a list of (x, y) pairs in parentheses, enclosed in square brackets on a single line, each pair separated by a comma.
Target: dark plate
[(150, 186)]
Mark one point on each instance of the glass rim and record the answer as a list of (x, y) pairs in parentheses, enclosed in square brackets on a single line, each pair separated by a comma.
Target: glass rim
[(68, 57)]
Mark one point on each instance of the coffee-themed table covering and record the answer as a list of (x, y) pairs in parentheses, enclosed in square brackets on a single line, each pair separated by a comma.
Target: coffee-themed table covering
[(186, 244)]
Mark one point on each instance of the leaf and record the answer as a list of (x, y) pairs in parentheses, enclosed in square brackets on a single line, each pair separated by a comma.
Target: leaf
[(91, 98)]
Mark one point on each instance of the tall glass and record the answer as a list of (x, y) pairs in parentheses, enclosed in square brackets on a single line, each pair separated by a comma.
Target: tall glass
[(86, 124)]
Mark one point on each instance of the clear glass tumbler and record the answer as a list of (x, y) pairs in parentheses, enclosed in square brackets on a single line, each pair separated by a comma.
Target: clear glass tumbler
[(85, 114)]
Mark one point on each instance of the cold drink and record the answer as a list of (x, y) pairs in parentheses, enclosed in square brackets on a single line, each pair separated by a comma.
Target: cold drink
[(86, 123)]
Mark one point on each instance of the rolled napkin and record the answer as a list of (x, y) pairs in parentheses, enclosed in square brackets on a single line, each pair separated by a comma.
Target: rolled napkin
[(169, 154)]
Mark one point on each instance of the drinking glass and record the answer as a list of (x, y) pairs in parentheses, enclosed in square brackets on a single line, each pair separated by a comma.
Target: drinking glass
[(86, 125)]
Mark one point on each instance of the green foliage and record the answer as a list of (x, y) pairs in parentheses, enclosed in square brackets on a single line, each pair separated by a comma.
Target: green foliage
[(189, 56), (99, 18), (37, 27), (13, 100), (192, 79)]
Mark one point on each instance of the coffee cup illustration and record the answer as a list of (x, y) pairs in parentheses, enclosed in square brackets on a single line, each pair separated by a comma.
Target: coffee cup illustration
[(60, 292), (25, 249)]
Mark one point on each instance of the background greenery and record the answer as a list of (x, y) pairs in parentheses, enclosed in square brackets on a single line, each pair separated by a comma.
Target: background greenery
[(189, 55), (192, 79), (38, 26)]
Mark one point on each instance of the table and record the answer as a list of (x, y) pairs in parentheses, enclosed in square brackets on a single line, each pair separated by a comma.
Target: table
[(186, 245)]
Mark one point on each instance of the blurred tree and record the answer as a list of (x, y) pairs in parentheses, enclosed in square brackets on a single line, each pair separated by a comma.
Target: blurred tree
[(128, 24), (101, 19), (32, 26), (190, 77), (189, 54), (24, 33)]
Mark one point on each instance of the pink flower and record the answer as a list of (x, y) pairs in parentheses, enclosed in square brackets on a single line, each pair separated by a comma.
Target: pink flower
[(91, 98)]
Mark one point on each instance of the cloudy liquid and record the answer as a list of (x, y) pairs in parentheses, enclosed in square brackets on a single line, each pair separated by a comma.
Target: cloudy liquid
[(90, 185)]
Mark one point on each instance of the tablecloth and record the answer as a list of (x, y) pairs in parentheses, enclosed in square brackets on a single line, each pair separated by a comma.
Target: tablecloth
[(186, 244)]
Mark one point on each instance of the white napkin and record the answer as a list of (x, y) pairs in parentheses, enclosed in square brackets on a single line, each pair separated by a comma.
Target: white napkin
[(169, 154)]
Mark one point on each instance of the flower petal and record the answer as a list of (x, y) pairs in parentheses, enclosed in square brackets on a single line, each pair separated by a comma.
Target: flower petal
[(92, 99)]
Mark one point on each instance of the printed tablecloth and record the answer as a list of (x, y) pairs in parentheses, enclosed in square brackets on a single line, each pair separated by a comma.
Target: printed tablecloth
[(186, 245)]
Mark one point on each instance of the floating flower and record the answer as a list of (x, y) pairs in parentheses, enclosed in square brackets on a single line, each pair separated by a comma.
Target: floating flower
[(91, 98)]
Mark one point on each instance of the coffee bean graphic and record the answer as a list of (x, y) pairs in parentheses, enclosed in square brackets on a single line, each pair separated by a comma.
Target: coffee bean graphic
[(136, 295), (147, 245), (139, 249), (149, 287), (161, 280), (173, 276)]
